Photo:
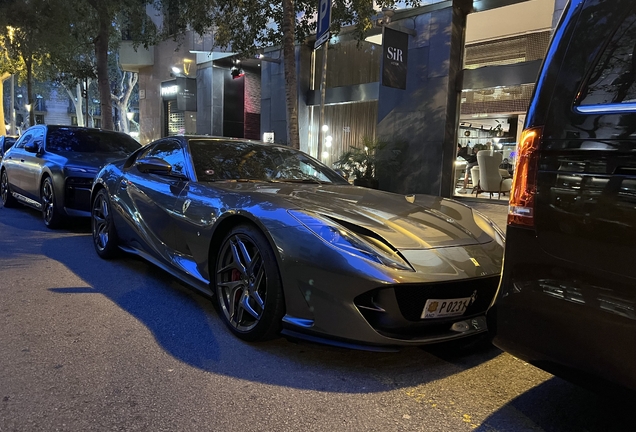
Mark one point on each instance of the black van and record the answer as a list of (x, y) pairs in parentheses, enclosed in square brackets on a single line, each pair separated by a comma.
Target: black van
[(567, 298)]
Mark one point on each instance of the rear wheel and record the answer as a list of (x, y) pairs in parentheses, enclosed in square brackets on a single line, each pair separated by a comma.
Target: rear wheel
[(50, 210), (249, 292), (104, 233), (5, 192)]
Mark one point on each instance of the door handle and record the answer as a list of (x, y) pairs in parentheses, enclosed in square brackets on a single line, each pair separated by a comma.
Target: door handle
[(21, 160)]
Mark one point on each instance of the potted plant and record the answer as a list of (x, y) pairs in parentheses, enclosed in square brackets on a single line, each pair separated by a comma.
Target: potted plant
[(361, 162)]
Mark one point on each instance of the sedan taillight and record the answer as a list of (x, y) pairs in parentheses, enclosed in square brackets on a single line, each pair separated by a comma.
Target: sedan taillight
[(524, 186)]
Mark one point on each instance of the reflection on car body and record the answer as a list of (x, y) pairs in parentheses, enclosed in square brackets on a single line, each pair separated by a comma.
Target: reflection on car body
[(285, 243)]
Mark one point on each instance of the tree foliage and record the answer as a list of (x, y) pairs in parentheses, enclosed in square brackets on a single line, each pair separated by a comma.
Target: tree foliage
[(25, 40)]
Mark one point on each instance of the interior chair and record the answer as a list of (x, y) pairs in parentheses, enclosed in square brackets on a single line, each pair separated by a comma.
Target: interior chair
[(491, 177), (460, 166)]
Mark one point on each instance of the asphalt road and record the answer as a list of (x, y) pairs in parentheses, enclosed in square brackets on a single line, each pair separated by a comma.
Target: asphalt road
[(93, 345)]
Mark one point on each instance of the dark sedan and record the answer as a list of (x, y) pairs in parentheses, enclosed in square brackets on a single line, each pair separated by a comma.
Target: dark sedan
[(283, 242), (51, 168)]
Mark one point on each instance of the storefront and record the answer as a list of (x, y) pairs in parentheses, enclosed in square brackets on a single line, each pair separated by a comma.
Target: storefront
[(179, 99)]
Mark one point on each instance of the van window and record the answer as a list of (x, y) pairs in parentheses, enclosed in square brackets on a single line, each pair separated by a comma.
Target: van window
[(613, 79)]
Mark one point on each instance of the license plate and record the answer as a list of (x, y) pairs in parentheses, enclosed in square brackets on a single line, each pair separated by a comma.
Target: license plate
[(439, 308)]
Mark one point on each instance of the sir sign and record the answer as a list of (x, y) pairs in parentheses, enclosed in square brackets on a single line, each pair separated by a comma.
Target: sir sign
[(395, 55)]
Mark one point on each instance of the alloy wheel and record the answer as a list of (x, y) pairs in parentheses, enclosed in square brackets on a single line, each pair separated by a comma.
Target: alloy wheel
[(49, 213), (241, 282), (101, 222), (4, 187)]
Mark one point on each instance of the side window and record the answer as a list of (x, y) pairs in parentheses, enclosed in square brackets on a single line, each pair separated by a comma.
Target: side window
[(23, 140), (613, 79), (171, 152)]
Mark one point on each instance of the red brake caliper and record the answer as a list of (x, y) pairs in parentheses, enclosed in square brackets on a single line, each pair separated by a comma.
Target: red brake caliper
[(236, 275)]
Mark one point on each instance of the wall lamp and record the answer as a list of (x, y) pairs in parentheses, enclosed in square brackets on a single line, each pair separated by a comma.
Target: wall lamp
[(236, 72), (267, 59)]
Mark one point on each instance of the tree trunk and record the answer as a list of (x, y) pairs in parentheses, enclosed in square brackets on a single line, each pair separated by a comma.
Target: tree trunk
[(101, 55), (90, 121), (122, 101), (3, 126), (291, 88), (77, 102), (29, 71)]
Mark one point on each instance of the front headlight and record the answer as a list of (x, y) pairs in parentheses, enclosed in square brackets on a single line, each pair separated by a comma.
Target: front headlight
[(341, 238)]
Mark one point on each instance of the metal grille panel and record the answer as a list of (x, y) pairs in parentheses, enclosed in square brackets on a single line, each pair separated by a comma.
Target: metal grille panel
[(176, 119), (516, 49), (513, 99)]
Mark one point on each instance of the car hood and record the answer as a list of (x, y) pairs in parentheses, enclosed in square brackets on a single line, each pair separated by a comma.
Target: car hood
[(406, 222), (93, 161)]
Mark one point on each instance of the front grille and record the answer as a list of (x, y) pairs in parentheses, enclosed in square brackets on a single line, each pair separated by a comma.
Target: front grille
[(395, 311), (412, 298), (78, 193)]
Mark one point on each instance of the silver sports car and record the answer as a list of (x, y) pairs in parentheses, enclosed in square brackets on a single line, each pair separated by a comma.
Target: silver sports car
[(284, 244)]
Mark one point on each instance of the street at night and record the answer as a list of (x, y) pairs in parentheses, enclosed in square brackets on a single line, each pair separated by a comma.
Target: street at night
[(88, 344)]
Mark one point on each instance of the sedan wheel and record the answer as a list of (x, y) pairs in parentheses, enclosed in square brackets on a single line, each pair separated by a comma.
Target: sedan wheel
[(248, 285), (104, 233), (50, 213), (5, 192)]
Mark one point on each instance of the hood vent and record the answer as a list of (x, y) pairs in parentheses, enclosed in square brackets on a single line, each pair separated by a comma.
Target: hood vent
[(364, 232)]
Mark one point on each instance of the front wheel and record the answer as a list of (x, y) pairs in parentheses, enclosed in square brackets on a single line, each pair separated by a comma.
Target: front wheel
[(5, 192), (249, 291), (50, 211), (104, 233)]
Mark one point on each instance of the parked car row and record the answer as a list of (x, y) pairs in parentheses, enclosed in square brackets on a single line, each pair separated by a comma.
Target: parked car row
[(284, 244), (281, 241)]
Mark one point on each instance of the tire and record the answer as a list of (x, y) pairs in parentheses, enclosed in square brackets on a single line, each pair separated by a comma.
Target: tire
[(5, 192), (248, 286), (104, 232), (50, 209)]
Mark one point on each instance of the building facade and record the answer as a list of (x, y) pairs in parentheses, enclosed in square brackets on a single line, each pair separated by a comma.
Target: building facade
[(469, 75)]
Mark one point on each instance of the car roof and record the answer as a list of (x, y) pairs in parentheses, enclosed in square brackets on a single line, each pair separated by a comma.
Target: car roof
[(189, 138)]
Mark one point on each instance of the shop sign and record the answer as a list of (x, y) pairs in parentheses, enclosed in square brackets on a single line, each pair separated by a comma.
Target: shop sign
[(394, 59), (169, 89), (186, 94)]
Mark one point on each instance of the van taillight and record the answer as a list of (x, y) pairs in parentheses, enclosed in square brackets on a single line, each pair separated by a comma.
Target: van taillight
[(524, 185)]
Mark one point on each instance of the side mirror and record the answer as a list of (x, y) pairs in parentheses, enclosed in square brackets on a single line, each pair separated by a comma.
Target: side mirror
[(153, 165), (32, 147)]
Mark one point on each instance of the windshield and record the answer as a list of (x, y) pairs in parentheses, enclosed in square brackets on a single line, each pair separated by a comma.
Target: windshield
[(89, 141), (236, 160)]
